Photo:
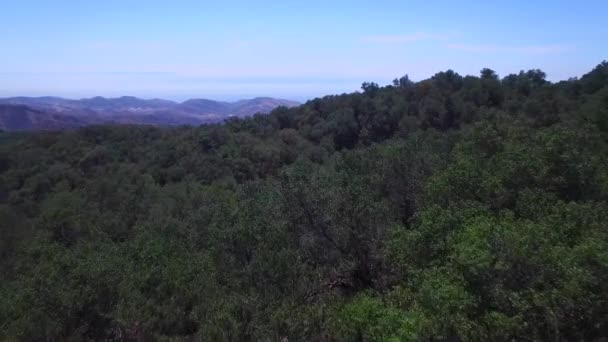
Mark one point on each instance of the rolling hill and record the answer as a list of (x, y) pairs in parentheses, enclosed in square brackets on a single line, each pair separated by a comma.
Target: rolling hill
[(20, 118), (52, 113)]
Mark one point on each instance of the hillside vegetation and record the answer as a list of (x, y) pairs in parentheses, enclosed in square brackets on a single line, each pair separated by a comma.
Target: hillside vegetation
[(451, 209)]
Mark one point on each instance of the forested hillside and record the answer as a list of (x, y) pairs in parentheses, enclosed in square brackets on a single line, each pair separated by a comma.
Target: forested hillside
[(451, 209)]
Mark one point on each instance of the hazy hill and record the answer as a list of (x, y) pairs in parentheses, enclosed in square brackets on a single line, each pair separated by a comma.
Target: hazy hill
[(258, 105), (50, 113), (20, 117)]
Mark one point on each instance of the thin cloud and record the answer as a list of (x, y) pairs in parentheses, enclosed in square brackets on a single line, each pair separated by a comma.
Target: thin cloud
[(524, 49), (241, 44), (246, 44), (404, 38), (126, 45)]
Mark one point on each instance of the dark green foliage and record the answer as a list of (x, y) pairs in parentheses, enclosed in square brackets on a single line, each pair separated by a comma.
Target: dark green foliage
[(452, 209), (595, 79)]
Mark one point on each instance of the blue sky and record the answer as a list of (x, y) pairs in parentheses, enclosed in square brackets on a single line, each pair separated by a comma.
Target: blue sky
[(291, 49)]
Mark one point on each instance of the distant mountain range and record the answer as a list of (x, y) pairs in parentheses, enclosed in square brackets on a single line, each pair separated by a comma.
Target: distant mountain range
[(53, 113)]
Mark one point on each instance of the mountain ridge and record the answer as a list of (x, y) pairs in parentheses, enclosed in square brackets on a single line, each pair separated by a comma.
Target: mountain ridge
[(52, 113)]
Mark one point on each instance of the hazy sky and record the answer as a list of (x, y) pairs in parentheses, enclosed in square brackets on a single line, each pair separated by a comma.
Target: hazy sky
[(291, 49)]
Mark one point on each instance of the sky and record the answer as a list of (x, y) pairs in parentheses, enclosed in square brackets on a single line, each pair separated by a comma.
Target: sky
[(227, 50)]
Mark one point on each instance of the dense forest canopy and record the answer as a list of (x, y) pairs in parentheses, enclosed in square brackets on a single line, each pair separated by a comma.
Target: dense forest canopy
[(456, 208)]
